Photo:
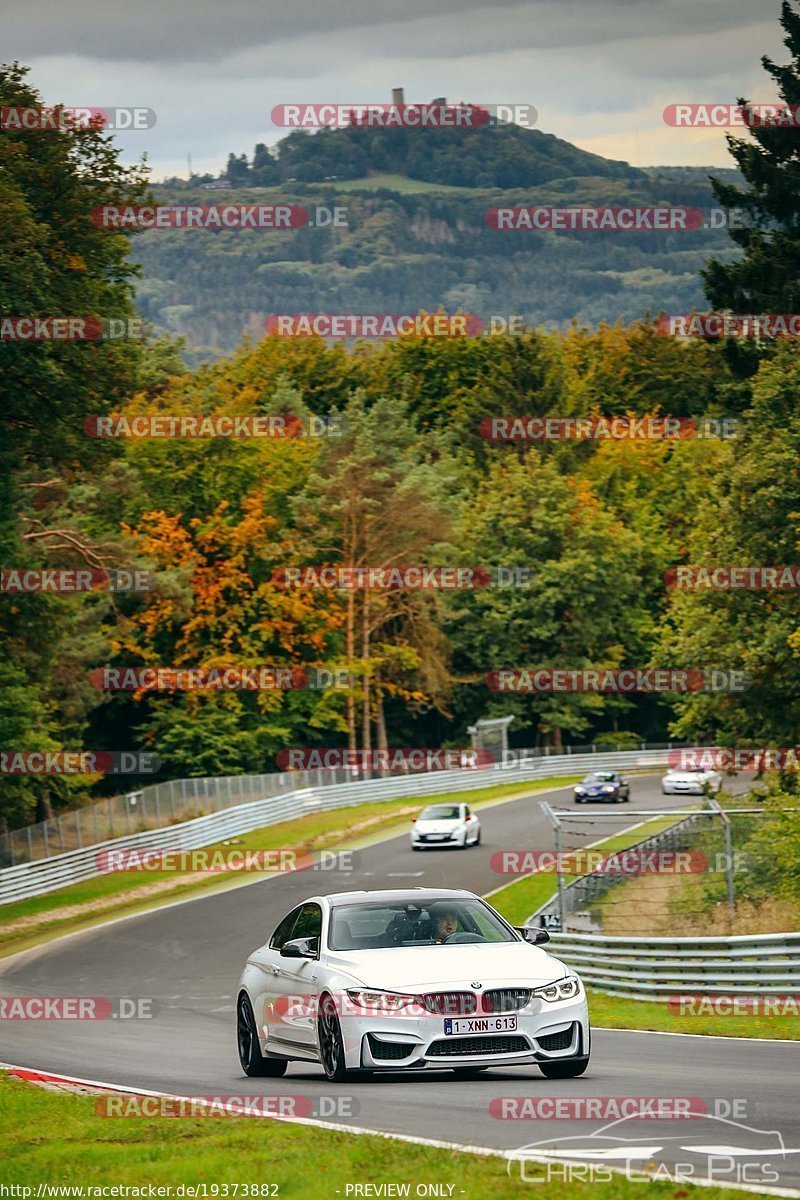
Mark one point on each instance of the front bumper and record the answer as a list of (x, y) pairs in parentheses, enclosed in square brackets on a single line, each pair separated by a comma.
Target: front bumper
[(545, 1032), (431, 842)]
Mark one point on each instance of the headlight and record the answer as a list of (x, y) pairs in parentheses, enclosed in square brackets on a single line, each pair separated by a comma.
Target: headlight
[(381, 1001), (581, 790), (563, 989), (609, 787)]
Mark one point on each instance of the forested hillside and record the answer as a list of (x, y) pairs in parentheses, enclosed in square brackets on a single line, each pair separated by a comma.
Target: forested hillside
[(409, 246)]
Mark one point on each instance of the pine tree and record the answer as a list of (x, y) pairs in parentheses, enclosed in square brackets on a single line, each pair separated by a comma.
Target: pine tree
[(767, 277)]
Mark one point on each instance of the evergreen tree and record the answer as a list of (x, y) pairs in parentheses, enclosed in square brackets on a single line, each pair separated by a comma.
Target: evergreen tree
[(767, 277)]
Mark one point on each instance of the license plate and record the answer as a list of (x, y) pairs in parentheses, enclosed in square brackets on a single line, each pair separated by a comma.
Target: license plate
[(437, 837), (453, 1025)]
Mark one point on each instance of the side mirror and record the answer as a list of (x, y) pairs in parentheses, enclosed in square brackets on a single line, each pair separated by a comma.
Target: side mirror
[(535, 936), (300, 948)]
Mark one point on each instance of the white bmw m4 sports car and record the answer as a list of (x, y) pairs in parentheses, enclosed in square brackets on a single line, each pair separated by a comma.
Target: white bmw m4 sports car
[(404, 980)]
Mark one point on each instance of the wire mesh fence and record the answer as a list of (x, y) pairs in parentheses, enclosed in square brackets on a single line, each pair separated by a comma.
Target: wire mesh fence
[(690, 871), (159, 805)]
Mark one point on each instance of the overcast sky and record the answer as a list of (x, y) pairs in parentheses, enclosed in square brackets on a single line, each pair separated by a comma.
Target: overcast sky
[(599, 72)]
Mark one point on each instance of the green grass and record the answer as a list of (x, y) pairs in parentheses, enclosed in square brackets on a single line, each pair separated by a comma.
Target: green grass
[(617, 1012), (118, 892), (61, 1140)]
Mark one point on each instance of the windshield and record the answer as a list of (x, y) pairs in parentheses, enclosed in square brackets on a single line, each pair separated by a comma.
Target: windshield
[(415, 923), (440, 812), (600, 777)]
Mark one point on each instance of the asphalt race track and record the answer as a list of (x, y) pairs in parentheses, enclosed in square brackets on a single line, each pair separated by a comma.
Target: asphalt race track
[(188, 956)]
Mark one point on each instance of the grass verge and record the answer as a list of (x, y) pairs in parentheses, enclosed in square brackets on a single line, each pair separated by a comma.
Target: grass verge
[(118, 893), (617, 1012), (59, 1139)]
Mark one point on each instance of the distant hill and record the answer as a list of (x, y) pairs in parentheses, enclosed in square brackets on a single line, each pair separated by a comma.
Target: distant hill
[(505, 156), (417, 236)]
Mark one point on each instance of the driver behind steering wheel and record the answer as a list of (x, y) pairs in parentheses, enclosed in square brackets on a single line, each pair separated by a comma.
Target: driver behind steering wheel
[(445, 924)]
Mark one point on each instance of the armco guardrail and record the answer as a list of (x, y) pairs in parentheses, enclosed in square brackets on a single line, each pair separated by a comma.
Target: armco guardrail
[(48, 874), (652, 968)]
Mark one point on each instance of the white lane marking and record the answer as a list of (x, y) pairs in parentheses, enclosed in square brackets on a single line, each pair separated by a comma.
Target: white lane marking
[(724, 1037), (404, 874), (358, 1130)]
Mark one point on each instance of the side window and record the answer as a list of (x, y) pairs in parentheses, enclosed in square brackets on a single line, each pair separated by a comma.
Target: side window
[(284, 931), (309, 923)]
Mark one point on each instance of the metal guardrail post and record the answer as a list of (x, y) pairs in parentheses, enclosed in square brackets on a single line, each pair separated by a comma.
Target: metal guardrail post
[(726, 824)]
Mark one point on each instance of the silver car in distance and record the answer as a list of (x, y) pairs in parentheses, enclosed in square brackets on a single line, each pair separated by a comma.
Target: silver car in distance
[(408, 980)]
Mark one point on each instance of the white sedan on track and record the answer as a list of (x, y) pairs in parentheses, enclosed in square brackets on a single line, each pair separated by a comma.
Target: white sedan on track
[(690, 782), (397, 980), (445, 825)]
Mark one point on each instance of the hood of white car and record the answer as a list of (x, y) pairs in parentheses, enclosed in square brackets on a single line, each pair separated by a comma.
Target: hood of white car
[(686, 776), (411, 969)]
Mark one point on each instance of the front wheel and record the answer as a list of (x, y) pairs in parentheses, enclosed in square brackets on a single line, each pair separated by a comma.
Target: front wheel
[(331, 1045), (253, 1061), (477, 841), (568, 1068)]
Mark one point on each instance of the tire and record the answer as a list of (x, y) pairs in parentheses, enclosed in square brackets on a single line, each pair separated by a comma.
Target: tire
[(567, 1068), (477, 841), (252, 1060), (468, 1072), (331, 1046)]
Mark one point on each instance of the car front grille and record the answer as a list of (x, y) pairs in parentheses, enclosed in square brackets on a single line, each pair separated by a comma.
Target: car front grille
[(457, 1046), (500, 1000), (388, 1050), (450, 1004), (556, 1041)]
